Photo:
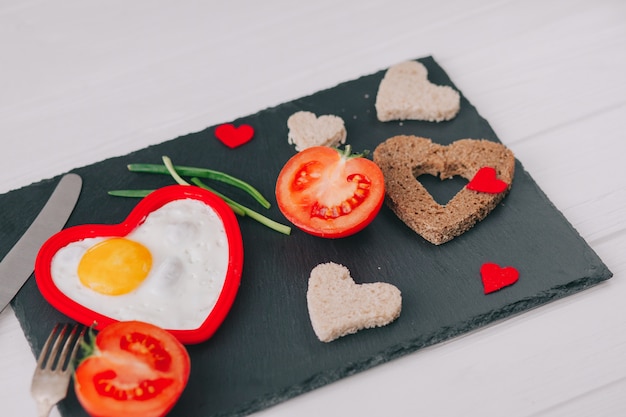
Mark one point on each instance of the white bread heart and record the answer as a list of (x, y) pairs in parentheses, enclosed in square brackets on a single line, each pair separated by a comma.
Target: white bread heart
[(307, 130), (406, 94), (338, 306)]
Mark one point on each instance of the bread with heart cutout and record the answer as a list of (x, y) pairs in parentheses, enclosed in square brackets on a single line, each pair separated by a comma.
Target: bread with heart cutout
[(404, 158), (405, 93), (307, 130), (338, 306)]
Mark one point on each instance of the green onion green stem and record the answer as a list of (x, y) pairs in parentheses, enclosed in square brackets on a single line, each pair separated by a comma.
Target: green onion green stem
[(130, 193), (170, 168), (281, 228), (202, 173), (143, 193)]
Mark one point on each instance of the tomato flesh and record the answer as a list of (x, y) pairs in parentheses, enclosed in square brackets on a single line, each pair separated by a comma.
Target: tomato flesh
[(328, 194), (137, 369), (105, 385)]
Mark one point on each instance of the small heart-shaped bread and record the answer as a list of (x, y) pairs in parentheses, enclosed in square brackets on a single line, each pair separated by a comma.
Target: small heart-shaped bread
[(338, 306), (404, 158), (307, 130), (406, 94)]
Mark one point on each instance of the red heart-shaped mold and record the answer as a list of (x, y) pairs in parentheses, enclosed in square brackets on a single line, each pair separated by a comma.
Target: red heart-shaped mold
[(138, 215)]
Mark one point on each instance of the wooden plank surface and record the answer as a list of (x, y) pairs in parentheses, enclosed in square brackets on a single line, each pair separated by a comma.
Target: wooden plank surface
[(82, 82)]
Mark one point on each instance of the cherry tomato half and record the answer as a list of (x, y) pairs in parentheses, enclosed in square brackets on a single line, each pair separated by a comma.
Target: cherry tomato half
[(136, 369), (328, 193)]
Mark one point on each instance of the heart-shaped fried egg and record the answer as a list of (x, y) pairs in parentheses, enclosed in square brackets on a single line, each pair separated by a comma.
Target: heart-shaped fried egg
[(169, 271)]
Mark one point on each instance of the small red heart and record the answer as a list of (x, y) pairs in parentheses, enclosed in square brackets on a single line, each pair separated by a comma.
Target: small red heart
[(495, 277), (485, 181), (232, 136)]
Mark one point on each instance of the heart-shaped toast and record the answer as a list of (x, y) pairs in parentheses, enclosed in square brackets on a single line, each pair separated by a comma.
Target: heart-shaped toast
[(338, 306), (404, 158), (307, 130), (406, 94)]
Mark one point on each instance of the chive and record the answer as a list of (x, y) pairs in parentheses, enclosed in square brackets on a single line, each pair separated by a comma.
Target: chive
[(130, 193), (170, 168), (281, 228), (173, 170), (203, 173), (143, 193)]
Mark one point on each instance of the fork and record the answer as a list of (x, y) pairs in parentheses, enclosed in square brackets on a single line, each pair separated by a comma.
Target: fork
[(54, 369)]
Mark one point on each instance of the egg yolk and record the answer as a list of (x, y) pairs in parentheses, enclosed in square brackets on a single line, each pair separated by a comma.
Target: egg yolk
[(114, 266)]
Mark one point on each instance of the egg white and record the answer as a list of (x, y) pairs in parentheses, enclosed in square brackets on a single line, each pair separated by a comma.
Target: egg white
[(189, 251)]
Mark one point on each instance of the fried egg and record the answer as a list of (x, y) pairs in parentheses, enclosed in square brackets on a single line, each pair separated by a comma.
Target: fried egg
[(169, 271)]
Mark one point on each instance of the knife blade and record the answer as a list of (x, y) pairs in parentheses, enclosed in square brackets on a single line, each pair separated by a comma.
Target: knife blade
[(18, 265)]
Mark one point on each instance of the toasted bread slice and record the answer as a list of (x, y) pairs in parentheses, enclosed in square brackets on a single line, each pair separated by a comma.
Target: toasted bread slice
[(404, 158)]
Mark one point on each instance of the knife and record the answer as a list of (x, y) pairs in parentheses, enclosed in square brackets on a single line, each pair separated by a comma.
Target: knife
[(18, 265)]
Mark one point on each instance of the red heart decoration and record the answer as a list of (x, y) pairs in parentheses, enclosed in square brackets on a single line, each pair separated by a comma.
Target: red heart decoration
[(232, 136), (486, 181), (495, 277), (138, 215)]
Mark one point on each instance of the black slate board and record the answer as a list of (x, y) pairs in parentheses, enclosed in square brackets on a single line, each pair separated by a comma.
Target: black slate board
[(266, 351)]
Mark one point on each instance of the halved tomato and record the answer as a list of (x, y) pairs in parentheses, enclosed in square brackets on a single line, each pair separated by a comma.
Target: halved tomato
[(135, 369), (330, 193)]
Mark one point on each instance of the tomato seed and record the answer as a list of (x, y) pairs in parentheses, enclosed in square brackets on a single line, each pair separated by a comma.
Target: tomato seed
[(349, 204)]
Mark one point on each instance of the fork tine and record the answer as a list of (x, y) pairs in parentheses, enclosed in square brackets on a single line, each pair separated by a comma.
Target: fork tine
[(71, 344), (77, 343), (52, 375), (52, 362), (43, 355)]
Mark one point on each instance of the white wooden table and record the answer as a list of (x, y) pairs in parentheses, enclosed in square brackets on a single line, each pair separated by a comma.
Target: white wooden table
[(82, 81)]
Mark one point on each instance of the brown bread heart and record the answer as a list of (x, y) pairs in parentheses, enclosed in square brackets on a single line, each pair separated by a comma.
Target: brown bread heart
[(404, 158)]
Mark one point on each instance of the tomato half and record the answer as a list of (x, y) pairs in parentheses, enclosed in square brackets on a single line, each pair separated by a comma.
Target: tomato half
[(136, 369), (328, 193)]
